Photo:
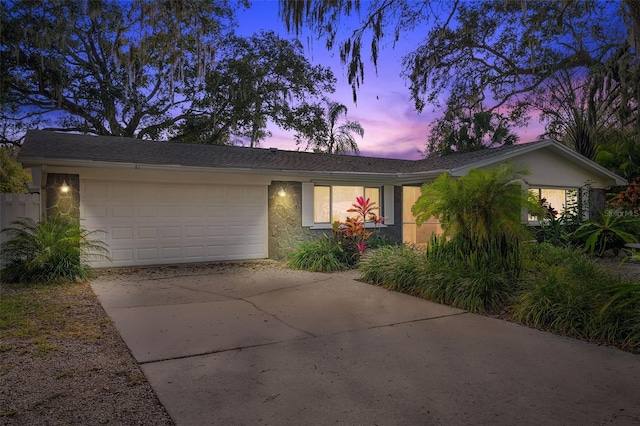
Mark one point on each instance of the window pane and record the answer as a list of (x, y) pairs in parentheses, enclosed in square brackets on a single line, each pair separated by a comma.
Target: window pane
[(409, 196), (321, 204), (344, 197), (536, 192), (420, 235), (373, 194), (556, 198)]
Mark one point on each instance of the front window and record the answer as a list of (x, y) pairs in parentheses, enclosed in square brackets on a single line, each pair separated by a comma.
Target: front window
[(330, 203), (556, 200), (411, 232)]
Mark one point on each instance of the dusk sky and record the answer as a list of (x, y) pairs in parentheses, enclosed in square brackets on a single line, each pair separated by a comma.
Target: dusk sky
[(392, 126)]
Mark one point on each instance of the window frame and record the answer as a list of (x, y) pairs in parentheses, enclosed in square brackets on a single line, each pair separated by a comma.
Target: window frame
[(536, 222), (386, 198)]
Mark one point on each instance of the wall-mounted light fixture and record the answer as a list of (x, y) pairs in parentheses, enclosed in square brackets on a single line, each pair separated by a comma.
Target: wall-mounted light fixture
[(282, 192), (64, 188)]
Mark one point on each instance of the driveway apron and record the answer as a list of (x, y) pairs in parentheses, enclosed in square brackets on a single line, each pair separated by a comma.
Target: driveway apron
[(257, 344)]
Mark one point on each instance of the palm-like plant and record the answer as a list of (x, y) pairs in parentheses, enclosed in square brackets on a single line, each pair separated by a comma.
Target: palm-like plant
[(52, 250), (484, 205), (336, 138), (610, 232)]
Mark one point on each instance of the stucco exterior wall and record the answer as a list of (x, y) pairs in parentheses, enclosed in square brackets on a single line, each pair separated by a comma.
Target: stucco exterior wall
[(550, 170)]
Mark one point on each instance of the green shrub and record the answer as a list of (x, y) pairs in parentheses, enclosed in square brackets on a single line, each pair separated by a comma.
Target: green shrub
[(538, 257), (565, 292), (395, 267), (324, 254), (52, 250), (476, 278), (380, 240)]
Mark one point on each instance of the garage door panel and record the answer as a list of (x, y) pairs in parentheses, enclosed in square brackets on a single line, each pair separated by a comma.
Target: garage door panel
[(122, 233), (149, 253), (194, 232), (147, 232), (216, 212), (172, 223), (147, 212), (236, 211), (194, 211), (170, 212), (194, 252), (172, 253), (171, 232), (122, 212), (121, 255)]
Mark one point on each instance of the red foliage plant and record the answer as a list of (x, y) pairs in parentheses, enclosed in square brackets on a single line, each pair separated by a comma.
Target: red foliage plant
[(629, 198)]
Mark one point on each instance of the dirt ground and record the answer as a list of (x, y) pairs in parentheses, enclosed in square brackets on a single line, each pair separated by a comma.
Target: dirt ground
[(87, 379)]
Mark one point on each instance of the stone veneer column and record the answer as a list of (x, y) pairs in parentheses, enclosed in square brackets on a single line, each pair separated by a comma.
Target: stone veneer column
[(597, 202), (285, 219), (59, 202)]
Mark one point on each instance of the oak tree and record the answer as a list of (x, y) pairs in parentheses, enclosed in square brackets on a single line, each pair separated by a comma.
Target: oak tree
[(259, 79), (107, 67)]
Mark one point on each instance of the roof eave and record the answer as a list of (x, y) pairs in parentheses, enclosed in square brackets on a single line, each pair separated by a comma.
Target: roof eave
[(307, 174)]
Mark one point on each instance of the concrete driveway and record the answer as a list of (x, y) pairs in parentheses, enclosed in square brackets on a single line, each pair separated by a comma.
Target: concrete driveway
[(257, 344)]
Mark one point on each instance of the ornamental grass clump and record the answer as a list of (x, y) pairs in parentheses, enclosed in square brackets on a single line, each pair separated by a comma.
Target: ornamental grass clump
[(566, 292), (478, 277), (323, 254), (394, 267), (53, 250)]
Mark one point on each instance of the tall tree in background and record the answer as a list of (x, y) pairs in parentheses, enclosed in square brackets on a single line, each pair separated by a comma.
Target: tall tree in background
[(257, 79), (469, 132), (580, 108), (619, 151), (334, 137), (493, 53), (150, 70), (107, 67)]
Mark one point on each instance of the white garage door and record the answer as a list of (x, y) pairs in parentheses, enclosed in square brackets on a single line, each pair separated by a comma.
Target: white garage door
[(148, 223)]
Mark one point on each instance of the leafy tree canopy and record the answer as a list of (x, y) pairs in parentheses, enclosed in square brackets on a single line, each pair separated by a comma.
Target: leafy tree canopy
[(493, 56), (106, 67), (478, 130), (13, 178), (257, 78), (149, 70)]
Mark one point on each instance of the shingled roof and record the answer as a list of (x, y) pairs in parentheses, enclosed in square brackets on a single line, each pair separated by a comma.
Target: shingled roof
[(41, 145)]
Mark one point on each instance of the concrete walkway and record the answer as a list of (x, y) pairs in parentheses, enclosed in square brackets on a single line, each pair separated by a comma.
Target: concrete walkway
[(255, 344)]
